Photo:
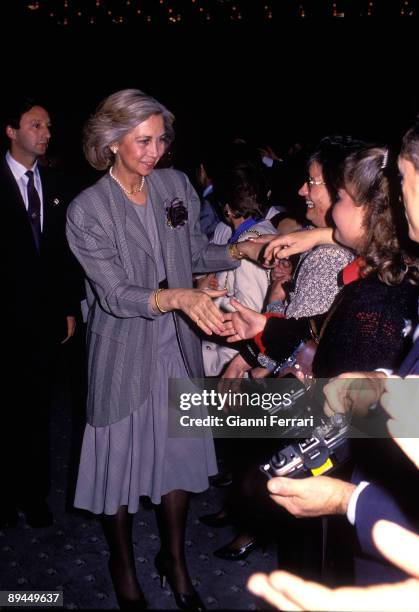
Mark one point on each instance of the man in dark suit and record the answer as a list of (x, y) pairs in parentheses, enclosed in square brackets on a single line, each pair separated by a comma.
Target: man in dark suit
[(38, 307)]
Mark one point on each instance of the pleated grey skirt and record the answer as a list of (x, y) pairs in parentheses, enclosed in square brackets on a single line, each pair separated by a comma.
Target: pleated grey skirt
[(136, 457)]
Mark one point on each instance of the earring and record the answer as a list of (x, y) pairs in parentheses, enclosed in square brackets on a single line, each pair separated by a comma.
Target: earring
[(114, 149)]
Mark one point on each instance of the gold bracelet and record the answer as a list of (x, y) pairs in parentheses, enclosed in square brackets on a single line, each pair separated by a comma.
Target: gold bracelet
[(233, 249), (156, 299)]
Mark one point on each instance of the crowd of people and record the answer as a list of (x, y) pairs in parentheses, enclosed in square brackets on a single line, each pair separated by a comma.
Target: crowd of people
[(234, 283)]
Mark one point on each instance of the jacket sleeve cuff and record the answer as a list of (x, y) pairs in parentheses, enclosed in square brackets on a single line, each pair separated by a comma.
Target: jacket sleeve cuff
[(351, 511), (258, 339)]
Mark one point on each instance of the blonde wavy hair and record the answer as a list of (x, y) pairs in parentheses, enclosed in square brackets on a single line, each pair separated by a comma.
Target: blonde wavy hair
[(115, 116)]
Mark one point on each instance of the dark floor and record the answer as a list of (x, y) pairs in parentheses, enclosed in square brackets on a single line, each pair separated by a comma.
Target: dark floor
[(72, 555)]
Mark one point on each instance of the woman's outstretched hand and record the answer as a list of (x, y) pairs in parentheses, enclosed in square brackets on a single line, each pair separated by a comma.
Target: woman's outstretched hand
[(242, 324), (296, 242)]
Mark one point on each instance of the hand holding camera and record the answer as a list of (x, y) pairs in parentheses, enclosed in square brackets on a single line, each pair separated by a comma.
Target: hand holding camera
[(312, 496), (327, 448)]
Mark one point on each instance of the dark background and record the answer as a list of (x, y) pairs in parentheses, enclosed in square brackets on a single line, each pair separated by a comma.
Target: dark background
[(276, 83), (270, 83)]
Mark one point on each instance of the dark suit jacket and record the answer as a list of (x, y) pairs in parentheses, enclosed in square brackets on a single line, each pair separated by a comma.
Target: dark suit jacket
[(392, 495), (376, 503), (39, 289)]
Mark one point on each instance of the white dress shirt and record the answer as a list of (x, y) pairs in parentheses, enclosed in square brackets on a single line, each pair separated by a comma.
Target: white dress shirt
[(19, 172)]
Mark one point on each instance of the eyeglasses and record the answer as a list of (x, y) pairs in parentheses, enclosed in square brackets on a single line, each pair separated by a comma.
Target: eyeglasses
[(311, 181)]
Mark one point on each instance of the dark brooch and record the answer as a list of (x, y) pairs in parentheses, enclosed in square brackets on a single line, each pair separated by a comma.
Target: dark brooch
[(177, 213)]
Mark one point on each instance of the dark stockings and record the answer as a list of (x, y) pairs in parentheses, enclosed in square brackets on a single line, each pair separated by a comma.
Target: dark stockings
[(171, 519), (118, 532)]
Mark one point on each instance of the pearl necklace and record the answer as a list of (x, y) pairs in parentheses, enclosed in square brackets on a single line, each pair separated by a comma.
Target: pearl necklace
[(127, 191)]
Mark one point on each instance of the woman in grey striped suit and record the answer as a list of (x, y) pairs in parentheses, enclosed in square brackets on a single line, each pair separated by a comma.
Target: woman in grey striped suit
[(136, 233)]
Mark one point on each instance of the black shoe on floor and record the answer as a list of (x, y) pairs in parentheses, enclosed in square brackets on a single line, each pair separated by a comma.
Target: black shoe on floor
[(190, 602), (236, 553), (8, 516), (38, 514)]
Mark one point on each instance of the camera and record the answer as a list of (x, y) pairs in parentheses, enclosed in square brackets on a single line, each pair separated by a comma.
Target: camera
[(326, 449)]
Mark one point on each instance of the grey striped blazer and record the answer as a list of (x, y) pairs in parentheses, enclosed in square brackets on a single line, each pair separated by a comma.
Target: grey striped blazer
[(107, 238)]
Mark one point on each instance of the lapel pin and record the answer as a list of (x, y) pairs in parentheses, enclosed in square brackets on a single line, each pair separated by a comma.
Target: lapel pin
[(55, 202)]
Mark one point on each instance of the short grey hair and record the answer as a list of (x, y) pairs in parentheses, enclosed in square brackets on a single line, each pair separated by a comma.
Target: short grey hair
[(115, 116)]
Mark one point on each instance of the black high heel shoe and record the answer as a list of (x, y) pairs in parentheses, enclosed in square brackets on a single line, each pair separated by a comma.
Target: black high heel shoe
[(236, 553), (184, 601), (125, 603)]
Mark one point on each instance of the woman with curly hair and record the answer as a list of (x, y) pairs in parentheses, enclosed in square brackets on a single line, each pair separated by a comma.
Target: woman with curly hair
[(369, 321)]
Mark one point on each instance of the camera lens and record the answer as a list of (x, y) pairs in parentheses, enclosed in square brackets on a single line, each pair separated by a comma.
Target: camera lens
[(278, 460)]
